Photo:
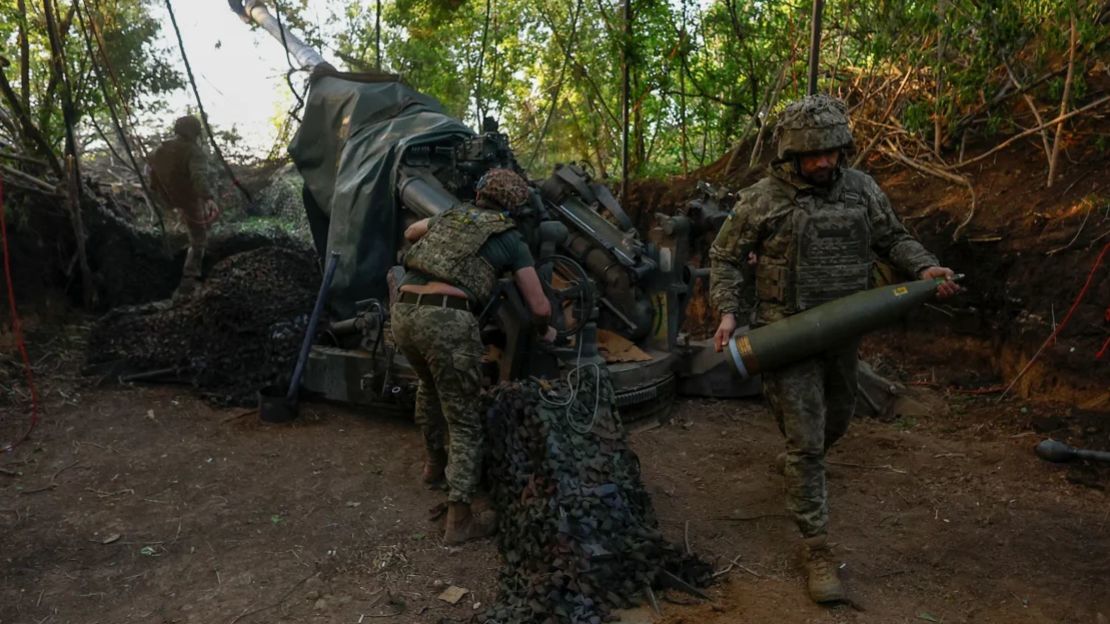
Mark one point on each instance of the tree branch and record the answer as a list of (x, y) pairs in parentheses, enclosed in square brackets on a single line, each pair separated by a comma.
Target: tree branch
[(1063, 104), (31, 132), (1007, 142)]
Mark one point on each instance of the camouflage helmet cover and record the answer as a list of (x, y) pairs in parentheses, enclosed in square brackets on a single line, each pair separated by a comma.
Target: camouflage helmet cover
[(503, 187), (187, 127), (815, 123)]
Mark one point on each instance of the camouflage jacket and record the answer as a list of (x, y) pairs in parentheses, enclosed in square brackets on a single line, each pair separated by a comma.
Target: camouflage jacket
[(813, 244), (177, 170)]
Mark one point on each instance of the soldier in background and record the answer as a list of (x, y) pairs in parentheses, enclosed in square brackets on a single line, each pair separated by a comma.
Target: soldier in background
[(177, 171), (450, 273), (813, 223)]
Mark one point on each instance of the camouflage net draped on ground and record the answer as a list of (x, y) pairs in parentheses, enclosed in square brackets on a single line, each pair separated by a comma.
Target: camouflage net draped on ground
[(578, 533), (238, 334)]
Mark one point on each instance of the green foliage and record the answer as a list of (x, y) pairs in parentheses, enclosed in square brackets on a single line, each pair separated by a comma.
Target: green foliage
[(122, 30), (550, 70), (705, 74)]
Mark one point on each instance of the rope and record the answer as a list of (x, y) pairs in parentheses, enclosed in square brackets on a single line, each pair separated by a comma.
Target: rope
[(1067, 317), (200, 106), (17, 329)]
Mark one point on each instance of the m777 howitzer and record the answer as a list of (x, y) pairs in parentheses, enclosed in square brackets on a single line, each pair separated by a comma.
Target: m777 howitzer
[(376, 155)]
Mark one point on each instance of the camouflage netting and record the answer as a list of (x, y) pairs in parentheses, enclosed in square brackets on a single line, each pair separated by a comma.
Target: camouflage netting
[(239, 333), (577, 530)]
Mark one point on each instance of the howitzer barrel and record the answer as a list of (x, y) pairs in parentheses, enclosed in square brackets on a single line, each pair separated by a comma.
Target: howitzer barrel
[(826, 326), (424, 196), (256, 11)]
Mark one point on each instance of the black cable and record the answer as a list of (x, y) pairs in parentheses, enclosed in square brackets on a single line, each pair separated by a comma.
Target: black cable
[(289, 60)]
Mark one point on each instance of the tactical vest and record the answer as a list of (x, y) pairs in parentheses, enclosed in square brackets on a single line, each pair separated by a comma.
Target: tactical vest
[(827, 254), (448, 252)]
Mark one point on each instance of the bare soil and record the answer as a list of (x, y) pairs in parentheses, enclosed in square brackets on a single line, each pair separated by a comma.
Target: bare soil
[(144, 504)]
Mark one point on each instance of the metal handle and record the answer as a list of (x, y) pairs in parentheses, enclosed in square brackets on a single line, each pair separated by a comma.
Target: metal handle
[(310, 331)]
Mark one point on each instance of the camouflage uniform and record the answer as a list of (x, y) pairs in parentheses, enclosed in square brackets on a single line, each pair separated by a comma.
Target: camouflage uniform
[(444, 348), (177, 170), (814, 244), (444, 345)]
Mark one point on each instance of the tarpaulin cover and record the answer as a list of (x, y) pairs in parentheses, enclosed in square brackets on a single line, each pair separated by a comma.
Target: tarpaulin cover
[(348, 147)]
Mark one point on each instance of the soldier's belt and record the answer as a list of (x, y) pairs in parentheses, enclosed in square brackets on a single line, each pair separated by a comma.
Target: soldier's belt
[(439, 301)]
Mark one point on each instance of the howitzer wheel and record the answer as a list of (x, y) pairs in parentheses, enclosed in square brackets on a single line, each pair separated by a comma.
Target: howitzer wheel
[(572, 296), (652, 403)]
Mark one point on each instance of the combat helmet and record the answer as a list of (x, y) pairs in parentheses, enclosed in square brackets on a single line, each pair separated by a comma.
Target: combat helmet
[(503, 187), (814, 123), (187, 127)]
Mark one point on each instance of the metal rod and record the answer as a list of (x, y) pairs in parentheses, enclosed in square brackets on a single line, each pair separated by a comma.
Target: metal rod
[(625, 92), (815, 45), (310, 331), (378, 36)]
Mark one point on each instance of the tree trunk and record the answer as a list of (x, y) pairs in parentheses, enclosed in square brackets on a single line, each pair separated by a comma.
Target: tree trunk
[(24, 57), (626, 61), (73, 163), (31, 135), (938, 113)]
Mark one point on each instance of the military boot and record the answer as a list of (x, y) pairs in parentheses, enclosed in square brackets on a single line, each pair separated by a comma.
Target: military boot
[(464, 525), (435, 465), (187, 288), (823, 581)]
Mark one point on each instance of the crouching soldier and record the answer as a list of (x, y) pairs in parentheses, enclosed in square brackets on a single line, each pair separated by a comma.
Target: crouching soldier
[(450, 273)]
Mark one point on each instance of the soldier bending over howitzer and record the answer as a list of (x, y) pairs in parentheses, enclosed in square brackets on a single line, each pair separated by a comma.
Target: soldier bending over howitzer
[(813, 224), (450, 273), (177, 175)]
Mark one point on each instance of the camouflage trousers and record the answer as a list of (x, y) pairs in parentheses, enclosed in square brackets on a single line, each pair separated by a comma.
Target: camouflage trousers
[(192, 219), (445, 349), (813, 402)]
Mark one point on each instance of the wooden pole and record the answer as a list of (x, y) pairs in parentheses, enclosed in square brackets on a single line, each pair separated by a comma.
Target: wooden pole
[(625, 93), (72, 161), (815, 45), (938, 113), (378, 36)]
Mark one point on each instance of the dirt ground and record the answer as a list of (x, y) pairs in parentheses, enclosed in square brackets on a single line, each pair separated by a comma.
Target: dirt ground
[(143, 504)]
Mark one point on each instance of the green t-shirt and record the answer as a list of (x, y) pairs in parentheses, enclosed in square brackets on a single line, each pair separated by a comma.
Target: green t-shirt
[(506, 252)]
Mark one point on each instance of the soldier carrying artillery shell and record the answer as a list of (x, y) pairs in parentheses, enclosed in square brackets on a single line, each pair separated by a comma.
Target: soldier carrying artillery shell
[(813, 224)]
